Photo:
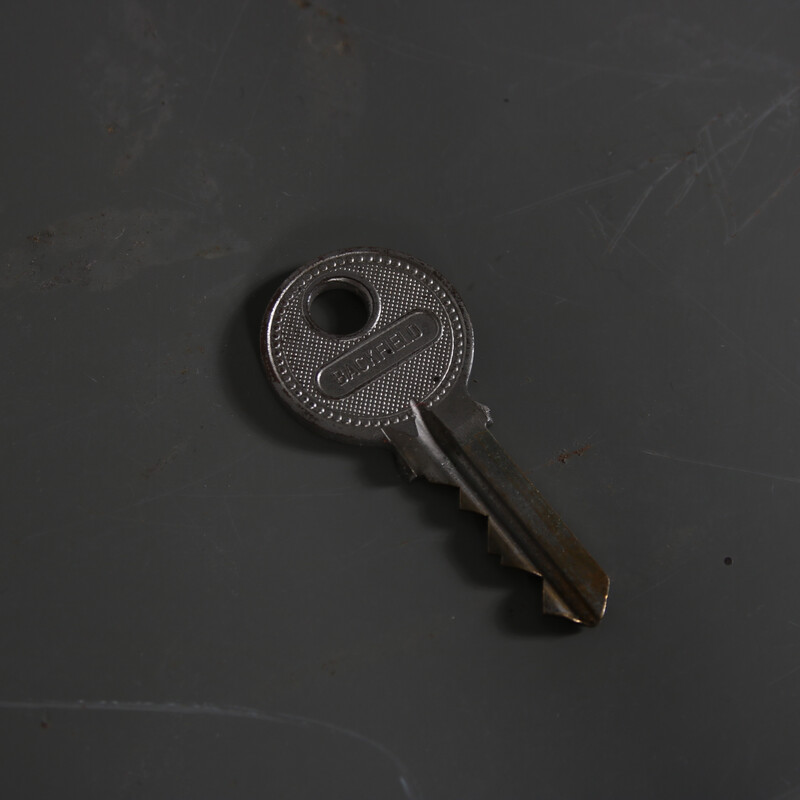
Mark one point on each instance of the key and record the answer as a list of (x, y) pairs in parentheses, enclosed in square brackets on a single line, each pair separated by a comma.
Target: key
[(397, 376)]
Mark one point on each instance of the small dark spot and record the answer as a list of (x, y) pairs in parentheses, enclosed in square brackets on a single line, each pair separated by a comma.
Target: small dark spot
[(340, 19), (330, 667), (302, 3), (44, 724), (505, 99), (727, 561)]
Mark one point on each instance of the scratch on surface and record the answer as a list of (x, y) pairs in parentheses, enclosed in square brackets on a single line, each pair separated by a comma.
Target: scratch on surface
[(660, 582), (768, 366), (599, 222), (230, 712), (694, 172), (704, 157), (583, 188), (626, 223), (223, 52), (579, 189), (722, 194), (727, 467), (791, 792), (748, 130), (176, 197), (785, 676), (712, 155), (781, 186)]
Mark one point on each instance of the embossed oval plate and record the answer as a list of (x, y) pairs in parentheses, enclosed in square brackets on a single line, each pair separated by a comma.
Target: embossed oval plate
[(415, 346)]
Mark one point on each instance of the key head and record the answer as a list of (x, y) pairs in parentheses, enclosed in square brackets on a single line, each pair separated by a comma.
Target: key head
[(415, 347)]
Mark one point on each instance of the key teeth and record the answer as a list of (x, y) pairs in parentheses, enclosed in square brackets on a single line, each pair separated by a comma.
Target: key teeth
[(466, 502), (508, 557), (553, 604)]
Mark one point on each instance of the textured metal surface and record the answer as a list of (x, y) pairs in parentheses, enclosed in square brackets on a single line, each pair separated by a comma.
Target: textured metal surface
[(382, 359)]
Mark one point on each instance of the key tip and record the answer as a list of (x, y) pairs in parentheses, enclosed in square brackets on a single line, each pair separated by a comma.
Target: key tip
[(591, 611)]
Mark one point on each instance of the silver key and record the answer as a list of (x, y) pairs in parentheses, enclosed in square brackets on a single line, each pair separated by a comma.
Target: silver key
[(400, 379)]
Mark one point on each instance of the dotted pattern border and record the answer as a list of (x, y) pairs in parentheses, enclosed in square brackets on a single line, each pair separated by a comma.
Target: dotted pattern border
[(451, 309)]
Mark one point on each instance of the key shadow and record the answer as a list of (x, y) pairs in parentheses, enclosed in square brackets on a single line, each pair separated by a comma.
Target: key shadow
[(248, 388), (520, 610), (240, 360)]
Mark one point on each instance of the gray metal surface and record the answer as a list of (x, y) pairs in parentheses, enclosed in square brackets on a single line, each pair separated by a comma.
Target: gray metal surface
[(194, 601)]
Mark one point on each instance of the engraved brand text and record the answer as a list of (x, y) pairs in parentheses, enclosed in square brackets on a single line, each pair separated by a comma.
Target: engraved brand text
[(379, 353)]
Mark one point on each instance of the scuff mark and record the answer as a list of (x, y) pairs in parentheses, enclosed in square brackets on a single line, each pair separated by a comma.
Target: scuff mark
[(626, 223), (713, 163), (165, 460), (581, 188), (403, 775), (129, 81), (727, 467), (566, 455), (705, 148), (781, 186), (101, 250), (223, 52), (328, 55)]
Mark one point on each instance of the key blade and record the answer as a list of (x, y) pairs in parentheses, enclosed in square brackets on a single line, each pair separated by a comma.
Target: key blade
[(452, 445)]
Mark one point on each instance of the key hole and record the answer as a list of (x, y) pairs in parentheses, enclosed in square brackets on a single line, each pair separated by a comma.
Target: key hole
[(340, 308)]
